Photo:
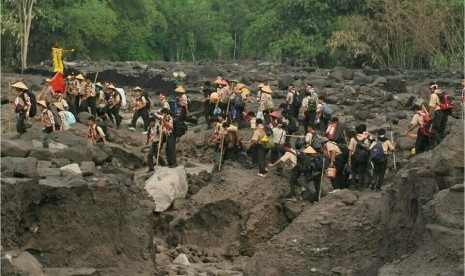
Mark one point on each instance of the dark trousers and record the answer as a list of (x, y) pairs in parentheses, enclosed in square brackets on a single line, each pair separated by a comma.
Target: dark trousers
[(266, 116), (422, 143), (84, 106), (359, 170), (145, 117), (439, 125), (254, 153), (339, 181), (294, 111), (114, 112), (72, 105), (262, 159), (183, 115), (323, 124), (239, 117), (153, 152), (208, 108), (170, 149), (91, 103), (379, 170), (20, 124), (275, 154), (309, 119), (293, 180)]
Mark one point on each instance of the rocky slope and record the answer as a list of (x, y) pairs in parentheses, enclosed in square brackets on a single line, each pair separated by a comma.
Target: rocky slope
[(69, 208)]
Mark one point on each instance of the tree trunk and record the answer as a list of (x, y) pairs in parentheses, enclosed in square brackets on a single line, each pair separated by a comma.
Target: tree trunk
[(25, 21)]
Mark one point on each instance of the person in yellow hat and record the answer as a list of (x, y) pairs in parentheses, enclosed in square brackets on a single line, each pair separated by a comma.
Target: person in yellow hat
[(182, 102), (140, 110), (22, 106)]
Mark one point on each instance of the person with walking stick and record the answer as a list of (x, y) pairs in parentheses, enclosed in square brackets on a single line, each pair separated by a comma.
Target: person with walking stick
[(167, 136), (154, 145)]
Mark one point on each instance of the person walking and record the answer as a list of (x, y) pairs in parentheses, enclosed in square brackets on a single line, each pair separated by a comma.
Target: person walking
[(258, 149), (359, 153), (22, 106), (424, 136), (380, 163), (114, 105), (140, 110), (166, 122)]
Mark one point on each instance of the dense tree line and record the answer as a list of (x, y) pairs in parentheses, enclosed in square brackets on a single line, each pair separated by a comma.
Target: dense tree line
[(377, 33)]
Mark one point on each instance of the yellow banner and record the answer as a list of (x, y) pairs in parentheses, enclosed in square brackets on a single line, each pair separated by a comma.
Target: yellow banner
[(57, 54)]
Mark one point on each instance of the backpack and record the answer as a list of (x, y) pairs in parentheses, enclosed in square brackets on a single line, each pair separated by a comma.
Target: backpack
[(267, 142), (304, 162), (296, 101), (56, 116), (70, 119), (33, 100), (361, 152), (377, 152), (316, 142), (268, 131), (312, 103), (427, 128), (337, 134), (237, 101), (326, 111), (173, 107), (445, 101), (105, 130), (148, 103), (317, 162), (179, 128), (293, 125)]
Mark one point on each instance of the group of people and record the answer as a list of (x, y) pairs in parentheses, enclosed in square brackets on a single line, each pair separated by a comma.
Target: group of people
[(321, 142)]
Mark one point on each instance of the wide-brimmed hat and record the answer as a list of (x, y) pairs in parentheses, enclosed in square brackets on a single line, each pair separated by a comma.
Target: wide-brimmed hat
[(137, 88), (239, 85), (59, 105), (267, 89), (310, 150), (214, 97), (20, 85), (99, 84), (180, 89), (69, 77), (111, 86), (261, 85), (276, 114), (42, 103), (79, 77)]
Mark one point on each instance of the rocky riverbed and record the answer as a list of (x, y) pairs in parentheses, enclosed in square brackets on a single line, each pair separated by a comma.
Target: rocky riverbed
[(70, 208)]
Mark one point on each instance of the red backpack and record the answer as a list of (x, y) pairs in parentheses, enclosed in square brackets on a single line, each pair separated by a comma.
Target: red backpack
[(427, 128), (445, 101)]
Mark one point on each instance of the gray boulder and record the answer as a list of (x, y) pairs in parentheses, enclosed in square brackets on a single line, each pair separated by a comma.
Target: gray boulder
[(87, 168), (23, 262), (167, 185), (396, 84), (284, 81), (76, 154), (16, 148), (66, 138), (70, 169), (341, 74), (42, 154), (83, 117), (99, 155), (27, 167)]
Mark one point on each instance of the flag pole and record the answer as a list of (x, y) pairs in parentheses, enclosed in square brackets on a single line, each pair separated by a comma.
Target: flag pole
[(393, 153), (159, 141)]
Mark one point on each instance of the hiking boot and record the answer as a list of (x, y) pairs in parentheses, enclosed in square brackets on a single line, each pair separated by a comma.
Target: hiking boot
[(132, 129), (150, 170), (291, 198), (261, 174), (145, 132)]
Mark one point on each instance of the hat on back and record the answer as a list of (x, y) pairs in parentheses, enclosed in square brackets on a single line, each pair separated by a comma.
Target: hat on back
[(310, 150), (79, 77), (42, 103), (137, 88)]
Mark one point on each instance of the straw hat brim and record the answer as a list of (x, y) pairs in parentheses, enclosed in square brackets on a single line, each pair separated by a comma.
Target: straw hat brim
[(310, 150), (79, 77), (267, 89), (42, 103), (19, 85), (180, 89), (137, 88)]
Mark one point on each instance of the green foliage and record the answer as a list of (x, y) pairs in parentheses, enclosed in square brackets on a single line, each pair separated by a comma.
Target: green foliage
[(384, 33)]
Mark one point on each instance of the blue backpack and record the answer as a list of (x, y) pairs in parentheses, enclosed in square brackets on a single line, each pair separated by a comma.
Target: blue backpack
[(377, 152), (69, 117), (326, 111)]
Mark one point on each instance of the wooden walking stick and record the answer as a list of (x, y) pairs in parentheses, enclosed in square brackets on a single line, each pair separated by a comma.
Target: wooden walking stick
[(221, 151), (321, 178), (95, 80), (393, 153), (9, 111), (228, 115), (159, 141)]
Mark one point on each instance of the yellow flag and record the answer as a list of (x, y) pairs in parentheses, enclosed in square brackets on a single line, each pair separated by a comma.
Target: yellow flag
[(57, 54)]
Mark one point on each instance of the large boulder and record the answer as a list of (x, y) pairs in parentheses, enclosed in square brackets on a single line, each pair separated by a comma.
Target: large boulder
[(129, 157), (76, 154), (100, 155), (70, 169), (284, 81), (66, 138), (27, 167), (341, 74), (166, 185), (396, 84), (83, 117), (42, 154), (16, 148), (22, 263)]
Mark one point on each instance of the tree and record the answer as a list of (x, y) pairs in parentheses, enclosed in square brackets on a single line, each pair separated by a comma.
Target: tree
[(21, 16)]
